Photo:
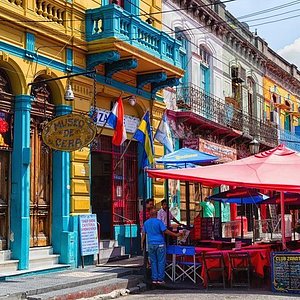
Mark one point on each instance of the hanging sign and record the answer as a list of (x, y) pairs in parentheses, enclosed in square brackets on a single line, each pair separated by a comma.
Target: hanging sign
[(69, 132)]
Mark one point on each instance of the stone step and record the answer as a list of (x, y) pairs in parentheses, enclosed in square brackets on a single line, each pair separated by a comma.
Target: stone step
[(5, 255), (106, 244), (40, 251), (43, 260), (106, 254), (8, 266), (53, 281), (119, 285), (4, 275)]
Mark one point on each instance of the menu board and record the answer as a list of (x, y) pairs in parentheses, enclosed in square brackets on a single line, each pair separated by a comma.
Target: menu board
[(88, 234), (206, 228), (285, 272)]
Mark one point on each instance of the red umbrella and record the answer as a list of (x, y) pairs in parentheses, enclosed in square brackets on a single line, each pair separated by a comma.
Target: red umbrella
[(275, 169)]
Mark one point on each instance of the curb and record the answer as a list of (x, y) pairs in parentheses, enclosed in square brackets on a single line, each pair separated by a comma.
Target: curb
[(141, 287)]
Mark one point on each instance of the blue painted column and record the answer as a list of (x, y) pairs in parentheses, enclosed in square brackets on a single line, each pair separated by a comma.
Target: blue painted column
[(20, 188), (62, 239)]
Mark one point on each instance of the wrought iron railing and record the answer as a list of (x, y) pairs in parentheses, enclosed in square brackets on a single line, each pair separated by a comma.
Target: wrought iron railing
[(111, 21), (192, 98)]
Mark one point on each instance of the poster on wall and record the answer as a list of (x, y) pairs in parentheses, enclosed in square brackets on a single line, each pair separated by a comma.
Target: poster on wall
[(5, 130), (174, 201), (88, 233)]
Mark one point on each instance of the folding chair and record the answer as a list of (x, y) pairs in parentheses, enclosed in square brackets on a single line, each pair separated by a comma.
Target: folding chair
[(214, 263), (185, 264), (169, 270), (240, 264)]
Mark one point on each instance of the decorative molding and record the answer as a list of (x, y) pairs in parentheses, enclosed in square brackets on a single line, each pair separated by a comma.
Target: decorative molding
[(144, 79), (117, 66), (169, 82), (100, 58)]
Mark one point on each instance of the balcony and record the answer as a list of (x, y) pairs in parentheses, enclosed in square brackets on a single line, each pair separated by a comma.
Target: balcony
[(224, 114), (290, 139), (111, 28)]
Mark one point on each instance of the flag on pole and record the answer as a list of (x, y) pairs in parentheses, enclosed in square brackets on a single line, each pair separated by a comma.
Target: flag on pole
[(116, 121), (143, 135), (163, 134)]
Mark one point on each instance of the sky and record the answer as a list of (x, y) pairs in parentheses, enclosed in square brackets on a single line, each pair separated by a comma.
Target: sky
[(282, 36)]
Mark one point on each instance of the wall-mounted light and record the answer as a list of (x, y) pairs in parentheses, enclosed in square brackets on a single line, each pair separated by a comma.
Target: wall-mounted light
[(69, 94), (254, 146), (149, 21), (131, 99)]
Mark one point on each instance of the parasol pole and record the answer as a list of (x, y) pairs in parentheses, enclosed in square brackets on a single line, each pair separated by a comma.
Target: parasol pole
[(282, 220), (242, 218)]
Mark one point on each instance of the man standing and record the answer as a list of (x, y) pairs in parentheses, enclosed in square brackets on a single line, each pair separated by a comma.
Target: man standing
[(163, 214), (149, 206), (208, 208), (155, 230)]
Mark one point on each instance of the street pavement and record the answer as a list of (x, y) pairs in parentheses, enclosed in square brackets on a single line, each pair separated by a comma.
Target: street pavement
[(209, 295)]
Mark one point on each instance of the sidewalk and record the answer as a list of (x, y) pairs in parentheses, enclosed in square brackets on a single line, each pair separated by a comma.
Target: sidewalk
[(76, 283)]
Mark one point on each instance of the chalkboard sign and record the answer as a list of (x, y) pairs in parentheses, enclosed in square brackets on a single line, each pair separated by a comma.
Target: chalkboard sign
[(206, 228), (88, 234), (285, 272)]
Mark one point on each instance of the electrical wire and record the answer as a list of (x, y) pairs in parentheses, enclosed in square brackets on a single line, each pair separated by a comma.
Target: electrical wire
[(197, 46)]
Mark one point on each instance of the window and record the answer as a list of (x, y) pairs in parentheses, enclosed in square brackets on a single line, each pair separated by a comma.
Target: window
[(204, 69), (183, 54), (205, 56)]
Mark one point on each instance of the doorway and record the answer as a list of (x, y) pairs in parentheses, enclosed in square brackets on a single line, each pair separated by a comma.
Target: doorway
[(113, 185), (40, 188), (4, 196), (101, 198)]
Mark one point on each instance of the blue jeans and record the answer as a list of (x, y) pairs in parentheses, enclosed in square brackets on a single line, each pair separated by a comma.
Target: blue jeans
[(157, 255)]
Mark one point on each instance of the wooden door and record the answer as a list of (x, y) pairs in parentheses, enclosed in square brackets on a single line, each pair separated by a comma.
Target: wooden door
[(40, 190), (4, 196)]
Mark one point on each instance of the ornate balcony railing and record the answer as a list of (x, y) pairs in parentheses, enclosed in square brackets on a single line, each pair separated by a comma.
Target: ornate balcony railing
[(215, 109), (289, 139), (111, 21)]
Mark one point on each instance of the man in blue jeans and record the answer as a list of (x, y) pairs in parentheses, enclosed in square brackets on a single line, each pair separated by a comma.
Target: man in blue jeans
[(155, 230)]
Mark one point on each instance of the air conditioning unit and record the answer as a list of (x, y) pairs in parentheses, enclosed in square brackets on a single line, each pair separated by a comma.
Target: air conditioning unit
[(238, 74)]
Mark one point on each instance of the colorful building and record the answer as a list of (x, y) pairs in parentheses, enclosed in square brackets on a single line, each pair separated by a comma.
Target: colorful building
[(44, 191)]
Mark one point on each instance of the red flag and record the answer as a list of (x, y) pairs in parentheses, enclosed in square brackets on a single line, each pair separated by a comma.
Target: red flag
[(116, 120)]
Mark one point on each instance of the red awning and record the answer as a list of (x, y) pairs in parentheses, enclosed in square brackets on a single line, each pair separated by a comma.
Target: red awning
[(275, 169)]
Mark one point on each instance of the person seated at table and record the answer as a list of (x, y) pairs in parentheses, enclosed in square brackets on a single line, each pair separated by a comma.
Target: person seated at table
[(208, 208), (163, 214), (155, 230)]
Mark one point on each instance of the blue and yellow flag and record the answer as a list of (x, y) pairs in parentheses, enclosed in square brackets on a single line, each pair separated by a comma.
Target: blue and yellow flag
[(143, 135)]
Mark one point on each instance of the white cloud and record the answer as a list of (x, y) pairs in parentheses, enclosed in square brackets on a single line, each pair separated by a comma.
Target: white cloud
[(292, 52)]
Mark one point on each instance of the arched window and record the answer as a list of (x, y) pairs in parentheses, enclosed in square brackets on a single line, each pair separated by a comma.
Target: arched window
[(205, 69), (183, 54), (251, 97)]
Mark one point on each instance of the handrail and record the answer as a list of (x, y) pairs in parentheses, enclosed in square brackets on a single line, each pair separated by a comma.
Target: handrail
[(130, 223), (122, 217)]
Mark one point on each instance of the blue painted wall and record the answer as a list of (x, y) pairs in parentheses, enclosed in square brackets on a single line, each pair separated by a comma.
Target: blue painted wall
[(20, 188)]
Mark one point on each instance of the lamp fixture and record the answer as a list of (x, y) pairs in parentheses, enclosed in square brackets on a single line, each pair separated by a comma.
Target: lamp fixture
[(149, 21), (254, 146), (69, 94), (131, 99)]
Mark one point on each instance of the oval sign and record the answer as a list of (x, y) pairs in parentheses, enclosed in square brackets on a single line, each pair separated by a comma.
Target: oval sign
[(69, 132)]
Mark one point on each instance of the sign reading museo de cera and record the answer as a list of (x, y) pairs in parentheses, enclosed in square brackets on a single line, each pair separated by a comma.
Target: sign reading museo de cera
[(69, 132)]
